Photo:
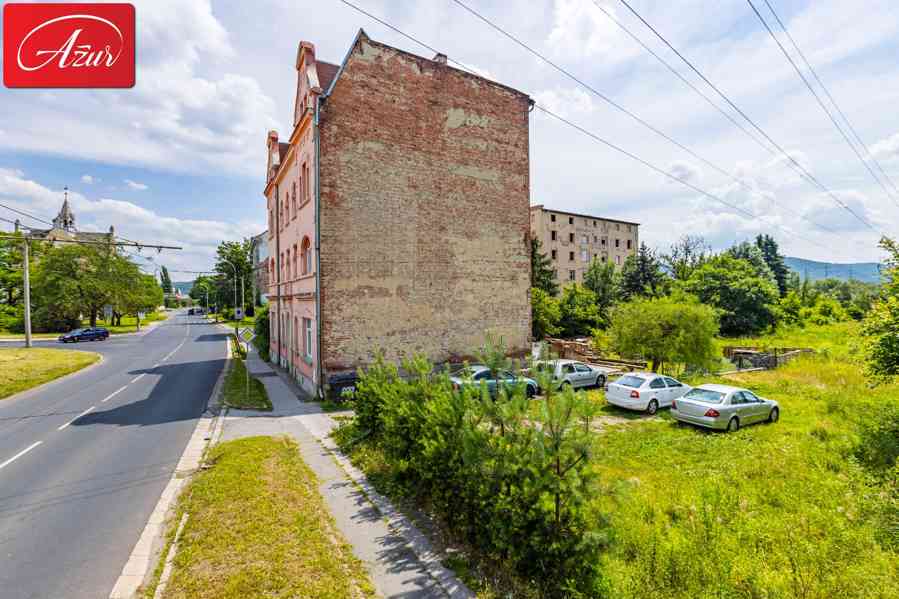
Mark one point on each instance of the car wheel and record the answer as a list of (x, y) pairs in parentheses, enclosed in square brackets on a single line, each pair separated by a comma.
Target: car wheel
[(733, 425), (600, 381), (530, 392), (653, 407), (774, 416)]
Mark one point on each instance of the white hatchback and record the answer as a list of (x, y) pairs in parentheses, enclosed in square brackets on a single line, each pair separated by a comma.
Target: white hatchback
[(644, 391)]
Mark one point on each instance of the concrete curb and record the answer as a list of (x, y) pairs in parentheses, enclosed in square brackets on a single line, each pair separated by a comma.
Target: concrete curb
[(416, 541), (26, 392), (144, 557), (169, 558)]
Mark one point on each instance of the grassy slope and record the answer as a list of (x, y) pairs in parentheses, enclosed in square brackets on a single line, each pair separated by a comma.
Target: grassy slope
[(258, 527), (22, 369), (235, 390), (771, 511)]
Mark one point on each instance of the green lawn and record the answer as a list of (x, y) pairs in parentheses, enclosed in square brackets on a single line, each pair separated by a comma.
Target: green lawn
[(772, 511), (239, 395), (129, 325), (258, 528), (22, 369)]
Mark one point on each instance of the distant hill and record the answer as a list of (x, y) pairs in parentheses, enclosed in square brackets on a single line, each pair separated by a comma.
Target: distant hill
[(860, 271), (183, 287)]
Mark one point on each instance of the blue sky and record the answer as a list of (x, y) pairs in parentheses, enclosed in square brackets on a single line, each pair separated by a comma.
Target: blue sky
[(180, 158)]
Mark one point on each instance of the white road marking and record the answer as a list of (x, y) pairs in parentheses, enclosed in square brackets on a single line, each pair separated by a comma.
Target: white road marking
[(87, 411), (138, 377), (20, 454), (113, 394)]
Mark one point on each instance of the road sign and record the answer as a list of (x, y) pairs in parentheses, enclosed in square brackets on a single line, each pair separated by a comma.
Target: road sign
[(246, 335), (238, 314)]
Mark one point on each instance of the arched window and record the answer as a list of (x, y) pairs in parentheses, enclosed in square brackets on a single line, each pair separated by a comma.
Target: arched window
[(294, 199), (294, 260), (306, 256)]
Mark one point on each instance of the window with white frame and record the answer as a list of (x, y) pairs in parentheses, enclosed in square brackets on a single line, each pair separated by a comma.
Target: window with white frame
[(307, 338)]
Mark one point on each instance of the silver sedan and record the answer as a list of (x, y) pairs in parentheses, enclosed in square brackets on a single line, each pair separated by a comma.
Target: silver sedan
[(723, 407), (572, 373)]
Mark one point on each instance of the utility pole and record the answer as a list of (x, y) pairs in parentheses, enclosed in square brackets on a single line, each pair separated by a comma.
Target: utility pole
[(26, 283)]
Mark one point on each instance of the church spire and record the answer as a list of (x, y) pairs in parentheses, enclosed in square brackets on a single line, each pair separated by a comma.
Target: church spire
[(66, 218)]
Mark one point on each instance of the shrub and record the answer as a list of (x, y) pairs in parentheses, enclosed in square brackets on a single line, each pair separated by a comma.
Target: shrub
[(263, 331), (510, 475)]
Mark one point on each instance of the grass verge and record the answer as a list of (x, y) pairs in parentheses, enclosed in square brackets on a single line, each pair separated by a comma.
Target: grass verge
[(259, 528), (239, 395), (22, 369)]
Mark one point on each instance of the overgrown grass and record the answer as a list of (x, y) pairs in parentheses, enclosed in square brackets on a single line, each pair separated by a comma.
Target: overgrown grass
[(241, 394), (258, 528), (22, 369), (836, 339), (778, 510)]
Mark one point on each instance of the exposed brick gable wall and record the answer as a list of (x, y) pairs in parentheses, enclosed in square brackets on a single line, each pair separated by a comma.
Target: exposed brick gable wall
[(424, 211)]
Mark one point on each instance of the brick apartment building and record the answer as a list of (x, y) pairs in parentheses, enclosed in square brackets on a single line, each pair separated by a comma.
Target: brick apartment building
[(573, 240), (398, 214)]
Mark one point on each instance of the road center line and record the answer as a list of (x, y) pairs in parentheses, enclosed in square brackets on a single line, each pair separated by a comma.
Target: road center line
[(137, 378), (113, 394), (90, 409), (21, 453)]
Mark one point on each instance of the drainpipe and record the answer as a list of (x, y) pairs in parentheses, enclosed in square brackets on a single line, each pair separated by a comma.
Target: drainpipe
[(278, 268), (319, 381)]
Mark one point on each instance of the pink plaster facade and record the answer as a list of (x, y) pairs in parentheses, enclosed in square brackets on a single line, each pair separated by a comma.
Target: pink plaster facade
[(290, 195)]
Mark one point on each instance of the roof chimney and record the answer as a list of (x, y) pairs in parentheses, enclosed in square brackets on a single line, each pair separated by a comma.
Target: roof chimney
[(440, 58)]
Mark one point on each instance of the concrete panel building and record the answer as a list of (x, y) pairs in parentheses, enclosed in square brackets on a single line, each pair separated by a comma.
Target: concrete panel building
[(573, 240), (398, 214)]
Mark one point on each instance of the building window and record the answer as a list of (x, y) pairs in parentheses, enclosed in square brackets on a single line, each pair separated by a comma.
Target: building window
[(294, 199), (306, 183), (307, 338), (570, 256), (629, 244), (617, 227), (552, 217), (572, 275), (617, 243), (296, 335), (554, 254), (570, 220), (617, 259), (594, 224), (584, 256), (294, 260), (585, 239), (571, 237), (552, 235), (287, 265), (604, 258), (306, 256)]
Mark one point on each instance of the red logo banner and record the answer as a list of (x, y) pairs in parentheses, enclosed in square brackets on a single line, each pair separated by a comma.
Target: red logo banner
[(68, 45)]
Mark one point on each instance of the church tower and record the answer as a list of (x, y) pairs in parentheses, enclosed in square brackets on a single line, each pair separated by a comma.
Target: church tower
[(65, 220)]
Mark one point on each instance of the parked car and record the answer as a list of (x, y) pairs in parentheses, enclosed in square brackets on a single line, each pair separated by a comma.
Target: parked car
[(575, 374), (91, 334), (190, 312), (473, 374), (723, 407), (644, 391)]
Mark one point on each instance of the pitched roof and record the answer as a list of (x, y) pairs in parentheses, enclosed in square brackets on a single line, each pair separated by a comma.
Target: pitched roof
[(326, 72)]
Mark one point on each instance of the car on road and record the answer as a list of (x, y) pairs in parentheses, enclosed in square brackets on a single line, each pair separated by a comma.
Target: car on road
[(723, 407), (89, 334), (572, 373), (474, 374), (644, 391)]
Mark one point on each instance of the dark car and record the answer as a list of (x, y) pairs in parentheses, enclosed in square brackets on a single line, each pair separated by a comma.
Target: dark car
[(91, 334), (190, 312)]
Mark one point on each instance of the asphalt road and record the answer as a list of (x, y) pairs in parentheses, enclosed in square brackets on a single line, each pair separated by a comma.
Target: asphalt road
[(83, 461)]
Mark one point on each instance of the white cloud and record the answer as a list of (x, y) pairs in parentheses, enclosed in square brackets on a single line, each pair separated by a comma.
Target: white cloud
[(187, 111), (581, 30), (87, 179), (565, 101), (136, 186), (887, 149), (685, 171), (198, 237)]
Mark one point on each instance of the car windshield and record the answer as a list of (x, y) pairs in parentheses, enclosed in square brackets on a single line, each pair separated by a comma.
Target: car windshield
[(631, 381), (705, 395), (76, 331)]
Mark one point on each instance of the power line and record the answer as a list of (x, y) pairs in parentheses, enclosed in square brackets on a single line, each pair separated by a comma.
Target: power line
[(792, 160), (85, 242), (819, 100), (23, 213), (830, 97), (591, 134), (622, 109), (711, 103)]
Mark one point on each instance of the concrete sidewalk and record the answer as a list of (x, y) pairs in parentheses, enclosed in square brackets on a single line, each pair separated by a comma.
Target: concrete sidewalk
[(398, 557)]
